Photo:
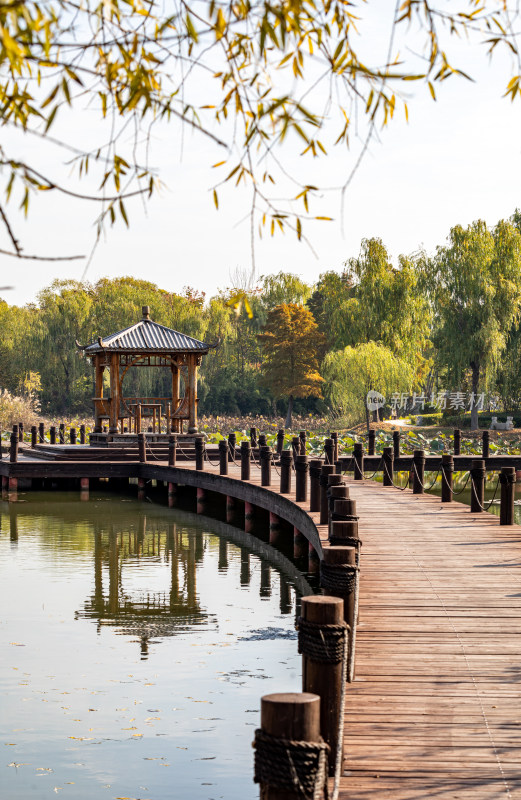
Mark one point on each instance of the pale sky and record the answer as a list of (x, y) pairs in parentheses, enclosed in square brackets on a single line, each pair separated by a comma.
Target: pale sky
[(456, 160)]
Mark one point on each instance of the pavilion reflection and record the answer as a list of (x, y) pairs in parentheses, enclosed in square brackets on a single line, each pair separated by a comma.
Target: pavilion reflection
[(150, 614)]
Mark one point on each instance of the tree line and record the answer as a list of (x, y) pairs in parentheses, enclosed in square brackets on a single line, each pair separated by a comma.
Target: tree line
[(450, 321)]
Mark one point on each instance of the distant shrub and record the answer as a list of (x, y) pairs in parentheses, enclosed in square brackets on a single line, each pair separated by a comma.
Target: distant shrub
[(14, 409), (427, 419)]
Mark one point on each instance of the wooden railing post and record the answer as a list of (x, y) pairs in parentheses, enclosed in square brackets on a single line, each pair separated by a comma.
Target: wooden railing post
[(315, 470), (336, 491), (344, 533), (358, 457), (232, 441), (329, 451), (245, 461), (62, 433), (199, 453), (295, 446), (338, 569), (334, 436), (280, 441), (477, 488), (388, 466), (52, 434), (41, 432), (253, 437), (457, 442), (396, 444), (13, 449), (371, 442), (72, 435), (172, 450), (223, 457), (485, 443), (33, 436), (262, 440), (418, 472), (294, 718), (82, 434), (302, 437), (20, 431), (325, 472), (286, 463), (142, 448), (301, 482), (507, 479), (447, 474), (265, 462), (321, 638)]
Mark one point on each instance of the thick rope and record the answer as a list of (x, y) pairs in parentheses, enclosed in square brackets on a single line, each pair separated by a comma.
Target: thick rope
[(455, 494), (291, 766), (476, 498), (320, 642), (338, 577), (370, 477), (425, 488), (207, 457)]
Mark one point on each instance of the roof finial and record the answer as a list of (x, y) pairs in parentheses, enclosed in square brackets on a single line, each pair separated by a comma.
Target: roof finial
[(146, 312)]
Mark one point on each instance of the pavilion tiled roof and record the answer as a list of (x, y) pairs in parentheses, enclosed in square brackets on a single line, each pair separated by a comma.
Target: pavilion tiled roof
[(147, 336)]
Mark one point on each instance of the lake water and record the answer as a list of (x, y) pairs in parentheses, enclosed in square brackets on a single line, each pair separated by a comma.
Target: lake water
[(136, 643)]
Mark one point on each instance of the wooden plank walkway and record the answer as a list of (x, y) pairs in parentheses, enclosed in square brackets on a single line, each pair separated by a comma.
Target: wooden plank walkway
[(435, 710)]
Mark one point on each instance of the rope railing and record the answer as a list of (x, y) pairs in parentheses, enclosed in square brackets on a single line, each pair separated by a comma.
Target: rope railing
[(455, 494), (477, 500), (207, 458), (429, 487)]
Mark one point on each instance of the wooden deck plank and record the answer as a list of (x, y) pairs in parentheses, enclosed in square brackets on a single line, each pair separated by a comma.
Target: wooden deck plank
[(435, 707)]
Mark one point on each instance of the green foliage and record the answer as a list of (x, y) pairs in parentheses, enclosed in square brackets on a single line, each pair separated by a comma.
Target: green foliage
[(475, 289), (372, 301), (283, 288), (352, 372)]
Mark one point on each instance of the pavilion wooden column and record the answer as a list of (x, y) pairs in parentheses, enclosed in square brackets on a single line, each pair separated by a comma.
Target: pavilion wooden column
[(114, 393), (193, 361), (98, 390), (174, 423)]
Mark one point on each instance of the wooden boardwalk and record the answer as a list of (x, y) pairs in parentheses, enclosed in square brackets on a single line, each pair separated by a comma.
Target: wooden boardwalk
[(435, 710)]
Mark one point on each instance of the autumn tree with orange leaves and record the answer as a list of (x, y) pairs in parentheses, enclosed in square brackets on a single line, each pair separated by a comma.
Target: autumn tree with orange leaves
[(292, 345)]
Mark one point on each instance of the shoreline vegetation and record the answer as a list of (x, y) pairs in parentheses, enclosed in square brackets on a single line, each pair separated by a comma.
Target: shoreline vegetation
[(418, 336), (433, 439)]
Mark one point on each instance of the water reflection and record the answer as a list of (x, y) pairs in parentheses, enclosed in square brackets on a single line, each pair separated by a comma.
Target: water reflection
[(150, 633), (147, 614)]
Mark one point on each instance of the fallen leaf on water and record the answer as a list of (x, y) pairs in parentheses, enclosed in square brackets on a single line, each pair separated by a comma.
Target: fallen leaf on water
[(17, 644)]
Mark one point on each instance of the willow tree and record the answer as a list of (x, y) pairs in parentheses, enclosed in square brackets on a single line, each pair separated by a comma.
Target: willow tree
[(352, 372), (291, 348), (246, 76), (475, 288)]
